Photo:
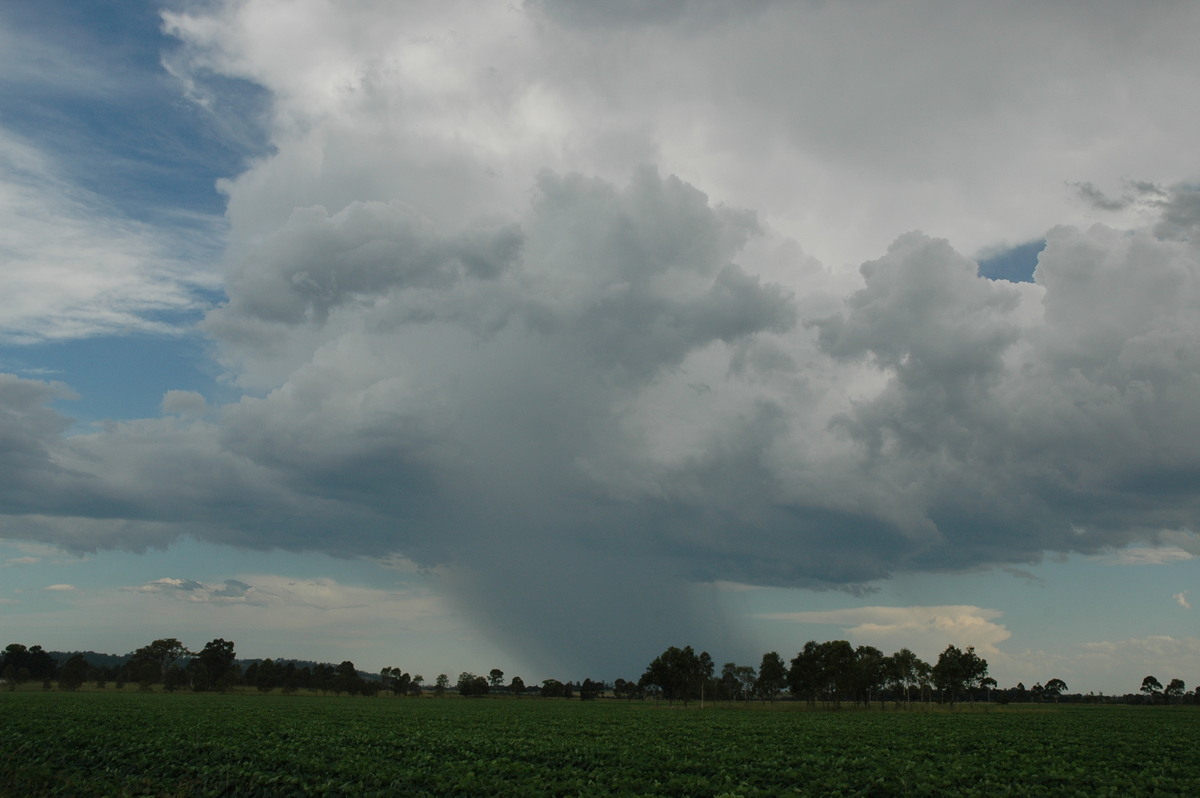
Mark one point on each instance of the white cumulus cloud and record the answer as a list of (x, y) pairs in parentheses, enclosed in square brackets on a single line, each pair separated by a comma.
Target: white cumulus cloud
[(925, 630)]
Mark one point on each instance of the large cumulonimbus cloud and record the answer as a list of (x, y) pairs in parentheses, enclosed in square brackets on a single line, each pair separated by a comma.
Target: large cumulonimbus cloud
[(471, 332), (581, 412)]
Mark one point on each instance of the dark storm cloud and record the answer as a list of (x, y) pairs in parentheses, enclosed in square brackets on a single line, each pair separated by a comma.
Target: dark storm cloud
[(315, 262), (583, 412), (27, 428), (1180, 213), (1098, 199)]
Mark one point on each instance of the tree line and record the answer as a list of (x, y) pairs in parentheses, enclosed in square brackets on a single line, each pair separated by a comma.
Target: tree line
[(835, 672), (829, 674), (215, 667)]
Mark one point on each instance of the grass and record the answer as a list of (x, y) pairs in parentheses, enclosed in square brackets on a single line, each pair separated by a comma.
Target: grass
[(128, 743)]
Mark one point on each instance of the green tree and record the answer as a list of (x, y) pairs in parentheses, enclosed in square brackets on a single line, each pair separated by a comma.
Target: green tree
[(495, 678), (1151, 686), (589, 690), (149, 663), (395, 680), (27, 663), (738, 681), (175, 678), (346, 679), (823, 671), (1054, 688), (553, 688), (772, 677), (268, 676), (957, 672), (624, 689), (290, 679), (165, 652), (679, 673), (1174, 689), (322, 678), (516, 686), (902, 672), (16, 656), (146, 672), (472, 686), (868, 673), (439, 686), (73, 673), (727, 686), (211, 663), (41, 665), (804, 675)]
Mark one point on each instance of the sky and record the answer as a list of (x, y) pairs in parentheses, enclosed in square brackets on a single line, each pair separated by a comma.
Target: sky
[(545, 335)]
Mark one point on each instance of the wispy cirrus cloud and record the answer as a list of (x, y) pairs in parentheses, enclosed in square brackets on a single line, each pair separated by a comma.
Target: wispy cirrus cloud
[(75, 268), (1144, 555)]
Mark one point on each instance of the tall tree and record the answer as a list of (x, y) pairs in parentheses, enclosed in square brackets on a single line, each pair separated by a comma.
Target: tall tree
[(727, 685), (589, 690), (1151, 686), (1054, 688), (1174, 689), (823, 670), (212, 664), (471, 685), (14, 664), (902, 671), (346, 678), (744, 678), (868, 673), (772, 677), (624, 689), (395, 680), (804, 675), (41, 665), (149, 663), (73, 673), (268, 675), (679, 673), (174, 678), (958, 671)]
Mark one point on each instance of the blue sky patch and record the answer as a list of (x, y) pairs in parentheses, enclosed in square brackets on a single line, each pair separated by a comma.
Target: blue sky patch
[(1015, 265), (118, 378)]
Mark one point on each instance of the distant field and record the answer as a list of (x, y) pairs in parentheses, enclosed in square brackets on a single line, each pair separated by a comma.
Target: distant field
[(109, 743)]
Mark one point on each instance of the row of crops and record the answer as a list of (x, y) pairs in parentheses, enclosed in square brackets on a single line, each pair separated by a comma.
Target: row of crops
[(92, 744)]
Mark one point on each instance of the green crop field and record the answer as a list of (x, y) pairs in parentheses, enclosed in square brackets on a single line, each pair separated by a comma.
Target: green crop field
[(110, 743)]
